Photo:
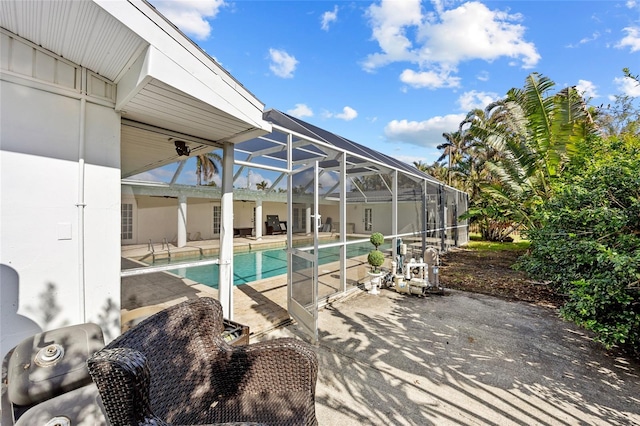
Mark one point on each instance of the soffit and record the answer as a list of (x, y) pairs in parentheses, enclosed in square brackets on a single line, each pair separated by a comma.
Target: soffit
[(149, 147), (179, 89), (80, 31)]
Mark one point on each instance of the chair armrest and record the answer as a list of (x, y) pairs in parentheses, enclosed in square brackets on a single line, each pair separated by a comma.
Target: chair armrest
[(122, 377), (279, 365)]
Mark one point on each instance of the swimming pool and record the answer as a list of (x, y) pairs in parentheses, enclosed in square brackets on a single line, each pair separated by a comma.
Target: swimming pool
[(259, 264)]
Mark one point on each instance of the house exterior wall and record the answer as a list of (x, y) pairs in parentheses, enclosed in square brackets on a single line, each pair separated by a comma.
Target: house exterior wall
[(59, 261), (156, 218)]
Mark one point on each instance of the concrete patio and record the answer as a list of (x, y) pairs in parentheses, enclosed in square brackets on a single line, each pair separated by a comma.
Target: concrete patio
[(464, 359), (457, 359)]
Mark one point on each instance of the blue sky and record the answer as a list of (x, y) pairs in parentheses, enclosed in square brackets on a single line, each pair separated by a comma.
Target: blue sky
[(394, 75)]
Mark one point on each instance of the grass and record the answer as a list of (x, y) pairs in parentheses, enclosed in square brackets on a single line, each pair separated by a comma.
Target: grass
[(476, 243)]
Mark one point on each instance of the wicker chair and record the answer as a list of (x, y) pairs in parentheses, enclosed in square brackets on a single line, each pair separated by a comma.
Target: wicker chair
[(176, 368)]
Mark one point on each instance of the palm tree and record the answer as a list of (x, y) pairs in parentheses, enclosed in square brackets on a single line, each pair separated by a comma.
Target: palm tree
[(457, 143), (533, 135), (421, 166), (207, 166), (262, 185), (437, 170)]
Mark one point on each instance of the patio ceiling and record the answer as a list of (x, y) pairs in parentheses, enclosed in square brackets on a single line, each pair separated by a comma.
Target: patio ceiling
[(312, 143), (167, 87)]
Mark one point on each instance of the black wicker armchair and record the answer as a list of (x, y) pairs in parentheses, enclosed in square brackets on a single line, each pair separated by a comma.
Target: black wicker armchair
[(175, 368)]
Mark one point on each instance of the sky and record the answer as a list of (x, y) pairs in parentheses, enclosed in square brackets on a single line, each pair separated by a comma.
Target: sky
[(396, 74)]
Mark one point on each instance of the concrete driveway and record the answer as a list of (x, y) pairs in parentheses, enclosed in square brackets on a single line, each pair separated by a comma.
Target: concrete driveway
[(464, 359)]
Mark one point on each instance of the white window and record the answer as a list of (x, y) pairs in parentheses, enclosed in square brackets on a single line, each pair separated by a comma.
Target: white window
[(368, 220), (296, 219), (126, 222), (217, 217), (303, 218)]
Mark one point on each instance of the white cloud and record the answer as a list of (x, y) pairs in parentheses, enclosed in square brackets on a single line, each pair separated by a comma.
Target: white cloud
[(627, 86), (389, 21), (473, 31), (429, 79), (328, 18), (631, 40), (483, 76), (438, 41), (347, 114), (587, 89), (471, 100), (594, 36), (301, 110), (282, 64), (190, 15), (250, 180), (427, 133)]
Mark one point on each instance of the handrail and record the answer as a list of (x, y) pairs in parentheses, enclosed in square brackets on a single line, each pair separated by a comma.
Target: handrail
[(165, 243), (152, 269)]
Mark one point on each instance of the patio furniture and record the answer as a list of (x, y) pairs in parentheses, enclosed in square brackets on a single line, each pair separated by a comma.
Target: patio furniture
[(274, 226), (242, 232), (176, 368)]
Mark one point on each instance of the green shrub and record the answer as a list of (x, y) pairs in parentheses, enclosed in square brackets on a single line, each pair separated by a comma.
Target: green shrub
[(589, 248), (375, 259), (377, 239)]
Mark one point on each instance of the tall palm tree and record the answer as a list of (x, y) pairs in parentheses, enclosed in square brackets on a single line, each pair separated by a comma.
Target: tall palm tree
[(262, 185), (457, 143), (207, 166)]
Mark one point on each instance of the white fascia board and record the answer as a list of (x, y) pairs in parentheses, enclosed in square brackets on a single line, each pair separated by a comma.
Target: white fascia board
[(189, 69)]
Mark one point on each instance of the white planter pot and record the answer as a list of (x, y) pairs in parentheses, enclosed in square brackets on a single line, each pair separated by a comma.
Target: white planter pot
[(375, 282)]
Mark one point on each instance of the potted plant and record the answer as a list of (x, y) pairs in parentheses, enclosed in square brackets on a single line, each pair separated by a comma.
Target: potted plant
[(375, 259)]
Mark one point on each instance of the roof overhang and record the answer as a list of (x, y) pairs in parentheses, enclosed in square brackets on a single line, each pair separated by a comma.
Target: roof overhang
[(164, 81)]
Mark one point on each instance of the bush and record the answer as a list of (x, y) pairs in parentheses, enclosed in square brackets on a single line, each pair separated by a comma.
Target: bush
[(377, 239), (589, 248), (375, 259)]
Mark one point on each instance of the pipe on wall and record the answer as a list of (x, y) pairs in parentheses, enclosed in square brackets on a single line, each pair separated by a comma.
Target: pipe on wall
[(81, 201)]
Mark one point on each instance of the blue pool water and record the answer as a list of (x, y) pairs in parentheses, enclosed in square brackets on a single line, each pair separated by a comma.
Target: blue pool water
[(256, 265)]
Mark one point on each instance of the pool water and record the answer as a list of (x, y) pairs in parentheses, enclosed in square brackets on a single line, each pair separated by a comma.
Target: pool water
[(260, 264)]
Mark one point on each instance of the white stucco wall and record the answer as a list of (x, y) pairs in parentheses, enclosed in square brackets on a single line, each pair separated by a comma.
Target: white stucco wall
[(40, 244), (156, 218), (200, 218)]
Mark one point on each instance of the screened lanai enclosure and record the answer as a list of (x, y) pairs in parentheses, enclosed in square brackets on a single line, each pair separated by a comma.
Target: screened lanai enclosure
[(323, 195), (338, 193)]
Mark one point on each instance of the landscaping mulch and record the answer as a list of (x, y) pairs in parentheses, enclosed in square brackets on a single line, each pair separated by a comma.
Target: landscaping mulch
[(490, 272)]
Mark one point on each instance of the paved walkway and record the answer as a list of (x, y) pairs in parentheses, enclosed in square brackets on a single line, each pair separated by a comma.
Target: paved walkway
[(464, 359)]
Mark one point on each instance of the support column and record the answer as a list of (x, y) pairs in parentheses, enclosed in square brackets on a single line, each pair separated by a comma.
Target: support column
[(225, 279), (443, 218), (182, 221), (258, 219), (307, 224)]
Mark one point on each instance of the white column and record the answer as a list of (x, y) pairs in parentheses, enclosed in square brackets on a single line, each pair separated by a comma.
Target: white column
[(307, 225), (182, 220), (258, 219), (225, 280)]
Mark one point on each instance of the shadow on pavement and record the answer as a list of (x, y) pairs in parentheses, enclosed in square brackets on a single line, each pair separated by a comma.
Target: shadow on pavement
[(465, 359)]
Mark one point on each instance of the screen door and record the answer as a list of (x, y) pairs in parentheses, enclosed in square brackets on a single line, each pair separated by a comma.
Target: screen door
[(302, 300)]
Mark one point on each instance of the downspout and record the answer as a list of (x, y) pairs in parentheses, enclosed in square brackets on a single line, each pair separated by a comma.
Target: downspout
[(81, 202)]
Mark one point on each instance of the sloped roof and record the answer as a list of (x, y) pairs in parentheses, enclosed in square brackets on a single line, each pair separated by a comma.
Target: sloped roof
[(358, 154)]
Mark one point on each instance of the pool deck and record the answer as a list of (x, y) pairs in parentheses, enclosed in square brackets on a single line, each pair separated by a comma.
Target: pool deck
[(262, 305)]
